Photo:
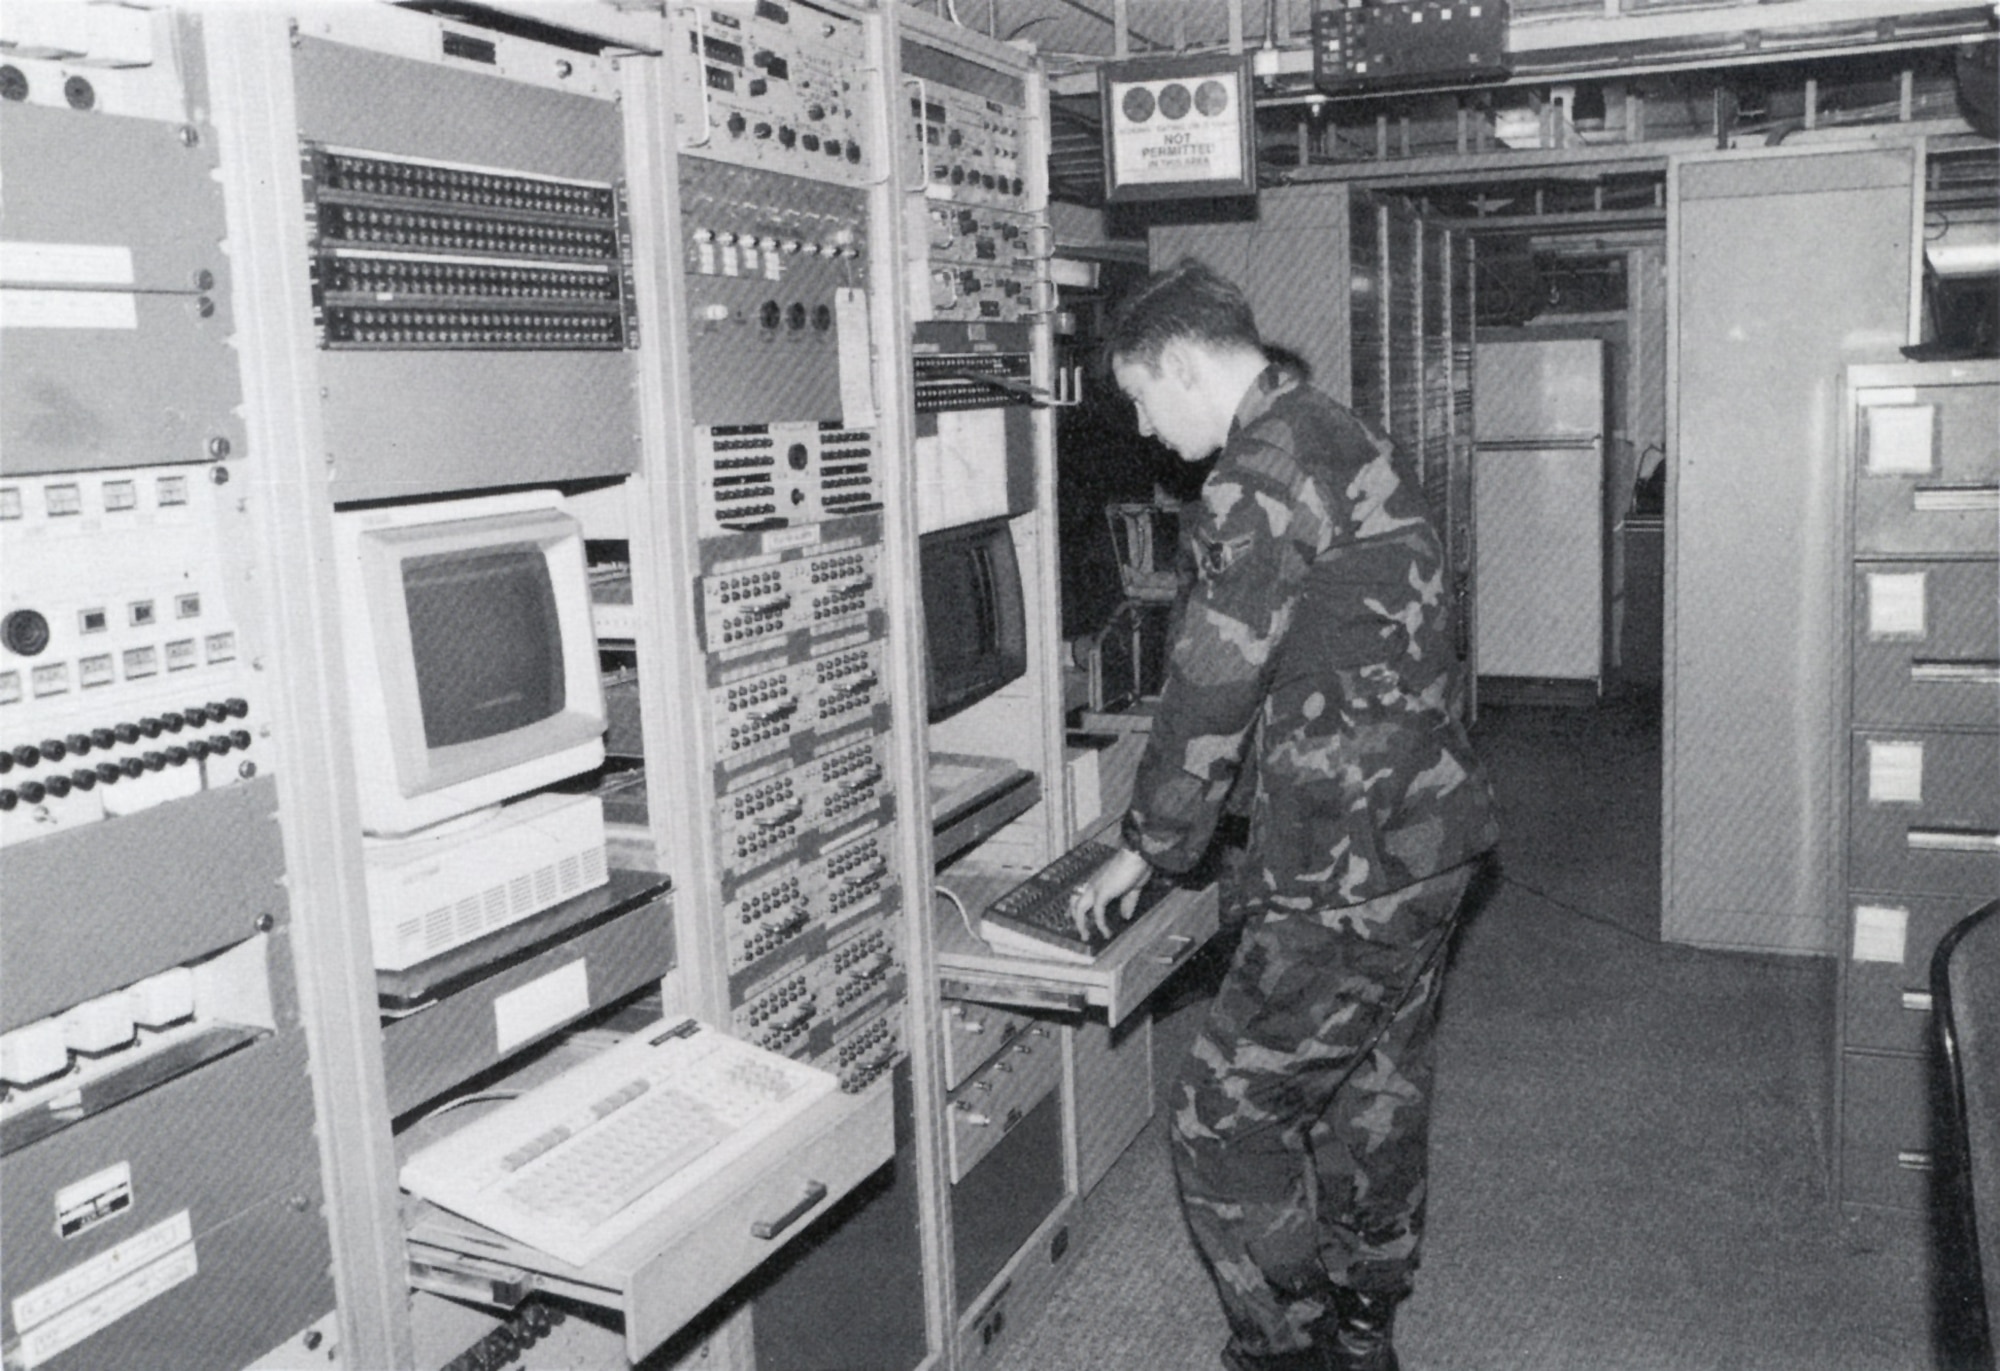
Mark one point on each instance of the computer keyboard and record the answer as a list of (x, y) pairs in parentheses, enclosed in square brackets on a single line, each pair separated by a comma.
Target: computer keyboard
[(579, 1162), (1034, 917)]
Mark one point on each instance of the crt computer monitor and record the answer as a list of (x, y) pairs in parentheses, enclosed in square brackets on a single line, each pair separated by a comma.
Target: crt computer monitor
[(975, 626), (471, 660)]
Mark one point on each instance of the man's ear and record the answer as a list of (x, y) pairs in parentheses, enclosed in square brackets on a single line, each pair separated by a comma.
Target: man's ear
[(1179, 364)]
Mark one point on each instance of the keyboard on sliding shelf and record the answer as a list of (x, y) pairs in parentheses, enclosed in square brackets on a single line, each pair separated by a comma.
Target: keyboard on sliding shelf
[(581, 1161), (1034, 917)]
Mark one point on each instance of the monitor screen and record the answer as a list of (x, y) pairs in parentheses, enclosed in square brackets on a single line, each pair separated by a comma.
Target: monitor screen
[(471, 656), (486, 641), (975, 626)]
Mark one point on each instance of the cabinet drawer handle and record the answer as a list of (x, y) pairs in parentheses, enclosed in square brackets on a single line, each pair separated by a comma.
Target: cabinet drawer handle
[(1953, 840), (1917, 1000), (1181, 943), (1954, 499), (1955, 673), (771, 1228), (1913, 1160)]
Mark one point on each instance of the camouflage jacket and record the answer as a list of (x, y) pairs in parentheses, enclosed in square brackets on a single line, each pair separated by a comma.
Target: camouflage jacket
[(1319, 622)]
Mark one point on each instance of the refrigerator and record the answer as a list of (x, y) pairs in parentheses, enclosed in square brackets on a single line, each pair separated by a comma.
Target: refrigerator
[(1538, 472)]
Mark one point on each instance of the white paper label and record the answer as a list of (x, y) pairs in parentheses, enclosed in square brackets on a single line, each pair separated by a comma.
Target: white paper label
[(70, 264), (857, 375), (543, 1003), (68, 1329), (105, 1269), (1899, 440), (1880, 932), (1896, 604), (1896, 773), (68, 309)]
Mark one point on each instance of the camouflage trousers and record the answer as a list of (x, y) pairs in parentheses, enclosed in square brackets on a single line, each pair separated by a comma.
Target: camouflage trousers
[(1302, 1135)]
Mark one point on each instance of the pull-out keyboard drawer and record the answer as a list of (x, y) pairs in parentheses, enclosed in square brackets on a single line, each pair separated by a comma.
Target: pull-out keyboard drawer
[(1118, 981), (660, 1277)]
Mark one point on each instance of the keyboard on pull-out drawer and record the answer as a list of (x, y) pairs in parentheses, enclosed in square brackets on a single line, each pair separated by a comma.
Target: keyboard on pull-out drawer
[(1034, 917), (579, 1162)]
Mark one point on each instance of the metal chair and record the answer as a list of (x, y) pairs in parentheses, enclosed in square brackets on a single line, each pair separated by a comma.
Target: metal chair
[(1965, 1002)]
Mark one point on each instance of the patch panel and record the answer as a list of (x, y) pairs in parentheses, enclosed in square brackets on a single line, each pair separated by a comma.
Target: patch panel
[(848, 688), (417, 255), (863, 967), (781, 1012), (856, 875), (820, 591), (768, 915), (850, 785), (758, 476), (863, 1054), (758, 716), (761, 821)]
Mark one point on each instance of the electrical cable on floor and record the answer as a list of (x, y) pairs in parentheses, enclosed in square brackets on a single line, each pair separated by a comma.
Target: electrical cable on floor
[(1569, 908)]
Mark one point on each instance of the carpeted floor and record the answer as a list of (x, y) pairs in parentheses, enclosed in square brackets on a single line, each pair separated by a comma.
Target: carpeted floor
[(1627, 1168)]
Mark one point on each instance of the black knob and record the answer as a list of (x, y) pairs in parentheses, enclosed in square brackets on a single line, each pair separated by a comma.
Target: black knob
[(854, 152), (198, 748), (58, 786), (172, 721), (762, 130), (786, 135), (78, 743), (8, 799), (103, 737), (53, 749), (6, 762), (33, 792), (25, 631), (177, 756), (241, 737), (133, 767), (27, 754), (154, 761), (796, 456), (220, 745), (126, 733), (150, 726), (108, 772), (737, 123), (235, 708), (83, 780)]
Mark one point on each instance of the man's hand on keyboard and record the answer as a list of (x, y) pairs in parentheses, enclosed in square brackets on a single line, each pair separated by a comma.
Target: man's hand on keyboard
[(1117, 881)]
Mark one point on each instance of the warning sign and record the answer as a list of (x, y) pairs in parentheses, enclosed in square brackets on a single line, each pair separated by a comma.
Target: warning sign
[(1180, 129)]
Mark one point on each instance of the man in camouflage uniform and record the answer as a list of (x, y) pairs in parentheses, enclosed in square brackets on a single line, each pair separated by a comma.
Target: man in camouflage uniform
[(1316, 643)]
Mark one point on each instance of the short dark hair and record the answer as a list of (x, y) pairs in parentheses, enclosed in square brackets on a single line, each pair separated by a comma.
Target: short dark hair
[(1189, 300)]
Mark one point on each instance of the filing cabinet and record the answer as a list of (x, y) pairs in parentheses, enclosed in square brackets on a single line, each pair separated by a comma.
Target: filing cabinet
[(1919, 685)]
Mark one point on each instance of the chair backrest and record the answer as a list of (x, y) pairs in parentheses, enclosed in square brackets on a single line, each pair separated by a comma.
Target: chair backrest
[(1965, 997)]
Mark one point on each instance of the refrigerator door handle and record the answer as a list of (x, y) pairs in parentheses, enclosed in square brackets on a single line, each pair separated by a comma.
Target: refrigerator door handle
[(1551, 444)]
